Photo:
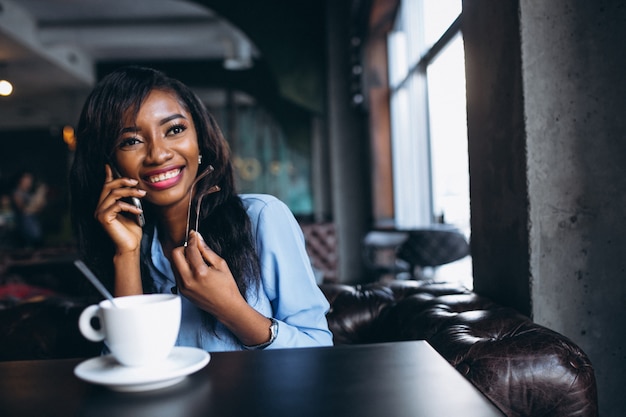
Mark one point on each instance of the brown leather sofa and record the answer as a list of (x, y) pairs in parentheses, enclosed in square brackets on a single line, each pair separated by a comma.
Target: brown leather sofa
[(522, 367), (44, 328)]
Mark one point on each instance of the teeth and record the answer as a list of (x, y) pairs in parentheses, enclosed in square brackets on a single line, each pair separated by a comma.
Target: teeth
[(164, 176)]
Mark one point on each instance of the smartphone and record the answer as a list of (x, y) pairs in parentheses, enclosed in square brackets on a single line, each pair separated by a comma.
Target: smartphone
[(139, 218)]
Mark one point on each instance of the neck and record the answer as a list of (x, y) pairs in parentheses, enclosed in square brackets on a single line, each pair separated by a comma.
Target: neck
[(172, 227)]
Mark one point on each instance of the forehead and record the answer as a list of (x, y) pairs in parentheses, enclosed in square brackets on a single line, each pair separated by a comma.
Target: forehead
[(156, 105)]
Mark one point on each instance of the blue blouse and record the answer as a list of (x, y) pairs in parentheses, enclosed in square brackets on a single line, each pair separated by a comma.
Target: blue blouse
[(288, 292)]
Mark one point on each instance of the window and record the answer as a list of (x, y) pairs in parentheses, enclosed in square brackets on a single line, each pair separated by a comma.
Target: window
[(448, 135), (428, 116)]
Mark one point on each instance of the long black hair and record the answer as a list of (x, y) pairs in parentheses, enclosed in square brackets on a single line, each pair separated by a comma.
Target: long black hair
[(224, 223)]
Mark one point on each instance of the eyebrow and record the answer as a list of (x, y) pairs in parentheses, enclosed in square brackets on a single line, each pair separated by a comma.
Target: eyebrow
[(161, 123)]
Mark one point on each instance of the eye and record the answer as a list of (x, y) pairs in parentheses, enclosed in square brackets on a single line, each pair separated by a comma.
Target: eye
[(177, 129), (127, 142)]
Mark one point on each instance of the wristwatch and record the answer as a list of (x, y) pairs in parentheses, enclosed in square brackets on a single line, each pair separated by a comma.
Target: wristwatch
[(273, 334)]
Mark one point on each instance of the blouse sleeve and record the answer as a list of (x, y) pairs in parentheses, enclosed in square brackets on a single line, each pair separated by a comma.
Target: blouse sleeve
[(288, 281)]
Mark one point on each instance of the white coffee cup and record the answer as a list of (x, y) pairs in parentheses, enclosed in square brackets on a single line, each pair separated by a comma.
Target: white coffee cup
[(138, 329)]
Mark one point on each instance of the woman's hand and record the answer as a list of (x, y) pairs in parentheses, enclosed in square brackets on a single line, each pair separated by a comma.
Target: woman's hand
[(206, 280), (123, 230), (204, 277)]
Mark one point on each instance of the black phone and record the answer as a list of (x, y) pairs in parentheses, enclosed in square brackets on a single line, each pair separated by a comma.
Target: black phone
[(139, 218)]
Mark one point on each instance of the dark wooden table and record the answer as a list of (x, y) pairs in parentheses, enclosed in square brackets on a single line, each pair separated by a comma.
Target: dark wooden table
[(388, 379)]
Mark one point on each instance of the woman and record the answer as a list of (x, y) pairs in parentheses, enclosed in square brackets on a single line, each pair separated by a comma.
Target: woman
[(243, 272)]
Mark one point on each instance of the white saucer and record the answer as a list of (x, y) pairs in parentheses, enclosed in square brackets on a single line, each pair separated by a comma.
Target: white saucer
[(107, 371)]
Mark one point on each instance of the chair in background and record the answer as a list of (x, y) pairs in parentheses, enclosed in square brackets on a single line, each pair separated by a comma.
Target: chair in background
[(432, 247), (379, 254)]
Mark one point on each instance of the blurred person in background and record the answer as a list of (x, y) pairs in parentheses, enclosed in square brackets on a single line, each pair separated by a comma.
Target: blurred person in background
[(7, 219), (28, 202)]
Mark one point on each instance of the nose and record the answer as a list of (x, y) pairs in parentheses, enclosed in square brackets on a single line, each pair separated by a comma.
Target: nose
[(158, 152)]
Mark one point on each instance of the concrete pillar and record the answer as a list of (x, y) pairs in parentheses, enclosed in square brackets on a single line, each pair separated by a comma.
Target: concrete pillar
[(497, 152), (349, 156), (546, 96), (575, 98), (320, 171)]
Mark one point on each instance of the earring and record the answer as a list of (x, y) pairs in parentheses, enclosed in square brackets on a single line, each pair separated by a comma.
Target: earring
[(199, 159)]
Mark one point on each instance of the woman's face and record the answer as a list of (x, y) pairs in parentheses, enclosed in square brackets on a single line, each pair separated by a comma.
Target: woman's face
[(160, 149)]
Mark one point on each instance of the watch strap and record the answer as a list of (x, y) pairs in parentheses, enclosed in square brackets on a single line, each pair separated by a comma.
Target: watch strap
[(273, 335)]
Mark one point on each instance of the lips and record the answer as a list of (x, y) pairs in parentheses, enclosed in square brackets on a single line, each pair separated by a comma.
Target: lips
[(164, 179)]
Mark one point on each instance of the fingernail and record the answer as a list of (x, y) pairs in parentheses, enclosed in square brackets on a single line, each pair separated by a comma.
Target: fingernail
[(143, 192)]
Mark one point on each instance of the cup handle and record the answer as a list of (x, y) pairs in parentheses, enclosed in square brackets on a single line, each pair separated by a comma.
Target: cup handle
[(84, 324)]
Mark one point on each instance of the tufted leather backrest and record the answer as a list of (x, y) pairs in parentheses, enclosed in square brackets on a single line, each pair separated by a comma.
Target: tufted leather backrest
[(524, 368), (44, 329), (321, 246)]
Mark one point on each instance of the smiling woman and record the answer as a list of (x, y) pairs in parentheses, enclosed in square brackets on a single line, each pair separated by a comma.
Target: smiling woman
[(243, 273)]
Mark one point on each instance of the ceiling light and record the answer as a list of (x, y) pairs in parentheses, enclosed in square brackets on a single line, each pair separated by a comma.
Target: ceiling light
[(69, 137), (6, 88)]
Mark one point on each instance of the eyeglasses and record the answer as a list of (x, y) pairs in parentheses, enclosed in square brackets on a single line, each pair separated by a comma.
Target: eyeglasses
[(210, 190)]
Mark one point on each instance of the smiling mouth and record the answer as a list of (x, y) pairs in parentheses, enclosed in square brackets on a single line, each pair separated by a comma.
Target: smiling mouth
[(164, 176)]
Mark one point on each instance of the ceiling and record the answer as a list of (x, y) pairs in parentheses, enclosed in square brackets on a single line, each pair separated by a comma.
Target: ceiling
[(49, 49)]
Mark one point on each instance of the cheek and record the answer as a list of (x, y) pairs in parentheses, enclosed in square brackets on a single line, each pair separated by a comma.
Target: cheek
[(192, 151), (126, 165)]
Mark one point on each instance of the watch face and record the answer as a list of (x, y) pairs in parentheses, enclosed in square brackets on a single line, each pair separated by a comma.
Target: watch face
[(273, 330)]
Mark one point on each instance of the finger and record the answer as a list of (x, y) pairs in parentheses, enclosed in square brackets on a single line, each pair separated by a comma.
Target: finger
[(119, 188), (110, 176), (181, 266), (209, 256), (194, 256), (129, 207), (112, 204), (108, 173), (178, 257)]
